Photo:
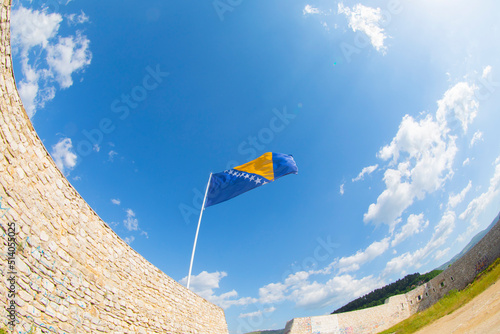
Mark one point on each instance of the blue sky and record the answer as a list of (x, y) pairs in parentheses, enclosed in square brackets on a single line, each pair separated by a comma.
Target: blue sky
[(390, 109)]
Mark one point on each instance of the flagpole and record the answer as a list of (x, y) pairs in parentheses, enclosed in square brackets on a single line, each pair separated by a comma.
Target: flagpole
[(197, 230)]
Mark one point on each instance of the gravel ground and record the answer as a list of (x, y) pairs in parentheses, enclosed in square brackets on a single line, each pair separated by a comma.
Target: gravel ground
[(481, 315)]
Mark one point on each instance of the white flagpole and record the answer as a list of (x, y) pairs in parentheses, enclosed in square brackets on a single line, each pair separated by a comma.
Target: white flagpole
[(197, 230)]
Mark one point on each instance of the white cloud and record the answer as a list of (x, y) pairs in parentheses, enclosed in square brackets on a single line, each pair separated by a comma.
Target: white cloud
[(28, 91), (413, 137), (304, 293), (365, 171), (229, 299), (478, 136), (251, 314), (341, 191), (454, 200), (366, 20), (339, 289), (402, 263), (301, 289), (458, 103), (82, 18), (204, 285), (131, 223), (424, 152), (258, 313), (74, 19), (63, 155), (272, 293), (486, 72), (115, 201), (480, 203), (32, 95), (129, 240), (354, 262), (30, 29), (111, 155), (440, 253), (205, 282), (69, 55), (308, 9), (466, 162), (277, 292), (33, 28), (270, 309), (45, 60), (393, 201), (414, 224)]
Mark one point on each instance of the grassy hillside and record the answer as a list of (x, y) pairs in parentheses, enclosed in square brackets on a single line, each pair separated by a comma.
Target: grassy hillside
[(378, 296), (449, 303)]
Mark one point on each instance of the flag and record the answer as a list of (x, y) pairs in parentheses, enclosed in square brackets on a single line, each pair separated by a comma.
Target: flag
[(233, 182)]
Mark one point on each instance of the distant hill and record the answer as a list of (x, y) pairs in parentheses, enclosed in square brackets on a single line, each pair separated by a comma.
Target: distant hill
[(378, 296), (471, 244), (278, 331)]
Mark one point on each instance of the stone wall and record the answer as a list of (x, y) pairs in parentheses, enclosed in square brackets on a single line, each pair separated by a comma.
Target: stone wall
[(370, 320), (72, 273), (398, 308), (461, 273)]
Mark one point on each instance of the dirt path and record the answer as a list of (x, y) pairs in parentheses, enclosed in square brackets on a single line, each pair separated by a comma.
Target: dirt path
[(481, 315)]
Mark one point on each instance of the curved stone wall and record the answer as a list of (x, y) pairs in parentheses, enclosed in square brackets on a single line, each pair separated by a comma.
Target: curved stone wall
[(461, 273), (398, 308), (72, 273), (370, 320)]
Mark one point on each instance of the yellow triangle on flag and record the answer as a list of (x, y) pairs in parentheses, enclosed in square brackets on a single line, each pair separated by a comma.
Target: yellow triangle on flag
[(262, 166)]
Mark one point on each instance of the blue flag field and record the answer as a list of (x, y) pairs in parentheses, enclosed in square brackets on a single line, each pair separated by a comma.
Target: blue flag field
[(233, 182)]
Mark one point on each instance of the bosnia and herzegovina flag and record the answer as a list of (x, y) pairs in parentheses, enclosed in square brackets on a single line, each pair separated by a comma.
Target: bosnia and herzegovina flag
[(233, 182)]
